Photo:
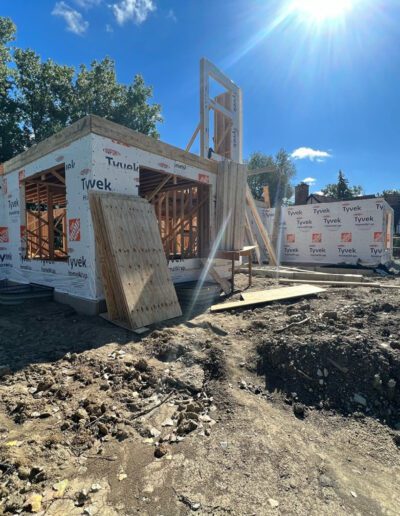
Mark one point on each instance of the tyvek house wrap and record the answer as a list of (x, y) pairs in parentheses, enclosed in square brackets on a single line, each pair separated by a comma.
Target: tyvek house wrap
[(92, 162), (345, 232), (75, 275)]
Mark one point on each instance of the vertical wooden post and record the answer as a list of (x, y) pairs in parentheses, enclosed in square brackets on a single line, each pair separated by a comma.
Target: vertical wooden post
[(167, 223), (174, 216), (190, 221), (50, 221), (39, 222), (204, 110)]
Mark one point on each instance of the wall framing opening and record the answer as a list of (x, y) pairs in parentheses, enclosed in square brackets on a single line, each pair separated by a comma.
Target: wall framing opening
[(182, 210), (46, 215)]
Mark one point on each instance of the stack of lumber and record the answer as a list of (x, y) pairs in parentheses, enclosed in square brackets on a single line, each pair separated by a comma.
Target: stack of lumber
[(230, 204), (318, 277), (137, 284)]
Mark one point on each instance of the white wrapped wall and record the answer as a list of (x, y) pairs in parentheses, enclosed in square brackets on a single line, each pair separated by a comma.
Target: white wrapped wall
[(72, 276), (333, 233), (92, 162)]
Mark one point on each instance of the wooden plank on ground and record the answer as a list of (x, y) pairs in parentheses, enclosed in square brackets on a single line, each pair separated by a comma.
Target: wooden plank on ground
[(305, 275), (136, 259), (342, 283), (268, 296), (226, 287)]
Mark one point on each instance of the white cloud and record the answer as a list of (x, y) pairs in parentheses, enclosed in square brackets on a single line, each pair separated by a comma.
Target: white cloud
[(320, 192), (88, 4), (311, 154), (309, 181), (172, 16), (135, 10), (109, 28), (74, 20)]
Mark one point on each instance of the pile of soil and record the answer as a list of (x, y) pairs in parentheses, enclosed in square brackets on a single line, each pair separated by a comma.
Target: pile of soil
[(347, 359)]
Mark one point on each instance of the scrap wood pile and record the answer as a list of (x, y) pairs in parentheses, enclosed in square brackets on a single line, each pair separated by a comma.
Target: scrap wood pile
[(137, 284)]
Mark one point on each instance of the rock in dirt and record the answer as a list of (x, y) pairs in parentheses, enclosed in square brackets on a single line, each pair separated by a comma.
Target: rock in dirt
[(273, 503), (103, 430), (60, 487), (34, 503), (326, 481), (330, 314), (122, 434), (161, 450), (299, 410), (187, 426), (81, 498), (80, 414), (167, 422)]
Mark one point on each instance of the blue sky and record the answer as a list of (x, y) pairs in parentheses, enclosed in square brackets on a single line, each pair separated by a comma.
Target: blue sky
[(323, 85)]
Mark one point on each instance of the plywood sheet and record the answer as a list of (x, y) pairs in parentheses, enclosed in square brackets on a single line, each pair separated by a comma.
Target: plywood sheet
[(137, 266), (269, 296)]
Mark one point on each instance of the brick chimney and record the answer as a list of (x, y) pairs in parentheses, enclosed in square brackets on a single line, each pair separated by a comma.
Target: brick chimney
[(301, 193)]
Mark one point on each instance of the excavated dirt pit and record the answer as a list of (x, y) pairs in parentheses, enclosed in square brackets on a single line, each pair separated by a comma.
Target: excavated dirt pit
[(347, 359)]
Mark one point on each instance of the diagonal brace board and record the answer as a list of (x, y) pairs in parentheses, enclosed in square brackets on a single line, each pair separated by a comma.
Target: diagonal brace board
[(261, 228)]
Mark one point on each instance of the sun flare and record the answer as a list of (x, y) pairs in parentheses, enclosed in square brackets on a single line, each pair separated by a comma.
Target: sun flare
[(321, 10)]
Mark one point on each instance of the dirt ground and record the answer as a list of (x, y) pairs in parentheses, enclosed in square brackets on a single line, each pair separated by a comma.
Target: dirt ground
[(290, 408)]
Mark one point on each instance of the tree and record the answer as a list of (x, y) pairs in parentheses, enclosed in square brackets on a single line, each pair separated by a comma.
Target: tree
[(278, 180), (391, 191), (45, 94), (11, 134), (97, 92), (341, 190), (38, 98)]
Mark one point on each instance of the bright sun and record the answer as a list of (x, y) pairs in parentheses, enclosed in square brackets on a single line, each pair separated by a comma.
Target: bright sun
[(321, 10)]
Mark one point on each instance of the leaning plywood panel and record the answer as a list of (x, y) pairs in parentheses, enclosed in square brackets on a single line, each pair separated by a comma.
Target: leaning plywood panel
[(137, 259)]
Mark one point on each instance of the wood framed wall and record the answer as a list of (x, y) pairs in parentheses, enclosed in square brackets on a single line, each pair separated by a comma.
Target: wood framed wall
[(45, 231), (182, 210)]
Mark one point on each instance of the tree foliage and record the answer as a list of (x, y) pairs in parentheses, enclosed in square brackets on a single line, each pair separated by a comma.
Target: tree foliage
[(341, 190), (11, 134), (278, 180), (392, 191), (38, 98)]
